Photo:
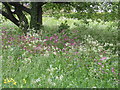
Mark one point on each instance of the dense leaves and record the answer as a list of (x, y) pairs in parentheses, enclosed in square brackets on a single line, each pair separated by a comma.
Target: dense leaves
[(84, 10)]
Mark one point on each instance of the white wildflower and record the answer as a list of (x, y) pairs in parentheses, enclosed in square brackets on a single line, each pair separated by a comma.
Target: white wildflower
[(53, 84), (30, 44), (49, 80), (54, 53), (38, 80), (111, 44), (61, 77)]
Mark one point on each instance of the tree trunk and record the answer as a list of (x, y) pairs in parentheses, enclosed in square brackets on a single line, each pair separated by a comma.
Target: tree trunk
[(36, 15), (22, 19)]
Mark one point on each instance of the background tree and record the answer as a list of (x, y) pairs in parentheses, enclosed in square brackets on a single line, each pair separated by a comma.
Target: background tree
[(17, 12)]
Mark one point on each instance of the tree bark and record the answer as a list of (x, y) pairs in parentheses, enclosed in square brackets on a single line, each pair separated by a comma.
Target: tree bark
[(9, 15), (36, 15)]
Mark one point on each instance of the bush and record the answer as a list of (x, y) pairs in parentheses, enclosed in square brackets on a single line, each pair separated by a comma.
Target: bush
[(63, 26)]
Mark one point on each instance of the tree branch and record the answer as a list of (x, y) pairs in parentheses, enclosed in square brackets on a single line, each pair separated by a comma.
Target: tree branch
[(17, 4), (22, 18), (14, 20)]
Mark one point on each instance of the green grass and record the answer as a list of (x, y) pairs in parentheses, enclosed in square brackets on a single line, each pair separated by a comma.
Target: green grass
[(89, 61)]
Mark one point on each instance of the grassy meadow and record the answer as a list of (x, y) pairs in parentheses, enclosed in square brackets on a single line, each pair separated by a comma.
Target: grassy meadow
[(81, 56)]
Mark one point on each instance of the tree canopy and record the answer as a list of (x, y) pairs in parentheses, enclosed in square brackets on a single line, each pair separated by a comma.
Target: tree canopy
[(17, 11)]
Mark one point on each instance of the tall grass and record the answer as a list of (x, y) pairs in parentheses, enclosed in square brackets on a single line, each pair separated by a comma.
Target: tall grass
[(79, 57)]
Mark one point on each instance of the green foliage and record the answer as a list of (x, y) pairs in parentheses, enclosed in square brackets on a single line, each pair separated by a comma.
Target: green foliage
[(63, 26), (2, 19), (107, 11)]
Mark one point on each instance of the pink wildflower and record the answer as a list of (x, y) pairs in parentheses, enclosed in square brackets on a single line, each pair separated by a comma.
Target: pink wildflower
[(51, 38), (4, 28), (103, 58), (76, 52), (100, 63), (33, 37), (104, 51), (71, 40), (72, 44), (64, 35), (96, 60), (112, 69), (24, 48), (55, 34), (46, 39), (56, 37), (102, 66), (37, 38), (55, 41), (37, 48), (75, 37), (11, 38)]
